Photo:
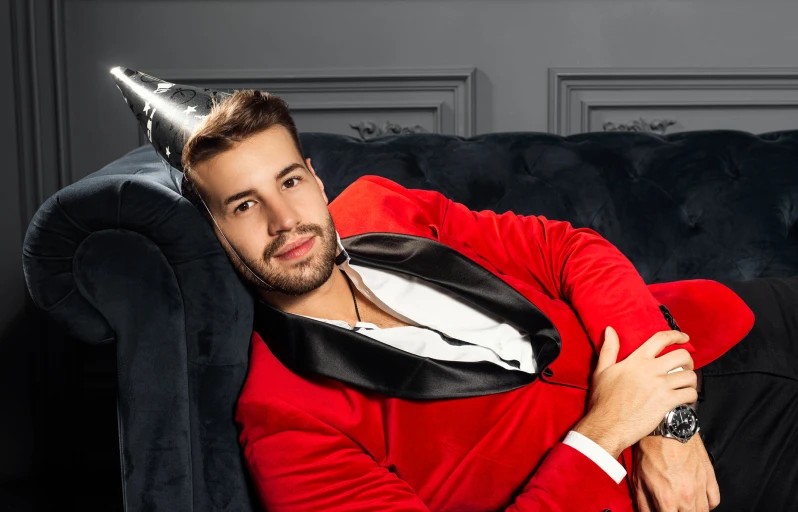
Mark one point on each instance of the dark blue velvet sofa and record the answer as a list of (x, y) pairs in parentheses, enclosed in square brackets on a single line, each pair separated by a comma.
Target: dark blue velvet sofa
[(121, 258)]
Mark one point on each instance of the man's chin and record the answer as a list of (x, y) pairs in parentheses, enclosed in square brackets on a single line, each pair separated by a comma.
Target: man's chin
[(299, 278)]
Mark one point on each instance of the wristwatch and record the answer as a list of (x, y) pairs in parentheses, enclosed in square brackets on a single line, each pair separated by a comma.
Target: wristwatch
[(679, 423)]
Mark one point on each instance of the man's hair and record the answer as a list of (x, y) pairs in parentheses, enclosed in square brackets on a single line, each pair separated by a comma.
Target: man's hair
[(232, 120)]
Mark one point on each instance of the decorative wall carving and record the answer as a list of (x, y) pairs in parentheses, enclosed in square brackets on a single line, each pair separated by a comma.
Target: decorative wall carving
[(369, 130), (659, 126), (751, 99)]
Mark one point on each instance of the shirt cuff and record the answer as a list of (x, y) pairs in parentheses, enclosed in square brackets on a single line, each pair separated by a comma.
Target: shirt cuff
[(597, 454)]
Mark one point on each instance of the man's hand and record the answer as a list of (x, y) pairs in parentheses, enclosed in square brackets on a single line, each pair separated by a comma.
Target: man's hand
[(671, 476), (630, 398)]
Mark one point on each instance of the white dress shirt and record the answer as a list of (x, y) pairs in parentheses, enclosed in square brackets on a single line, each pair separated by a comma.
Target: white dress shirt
[(425, 306)]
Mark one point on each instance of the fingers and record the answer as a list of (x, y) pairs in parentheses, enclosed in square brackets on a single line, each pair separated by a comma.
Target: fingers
[(713, 495), (659, 341), (609, 350), (684, 379), (713, 491), (677, 358), (701, 504), (683, 396), (644, 502)]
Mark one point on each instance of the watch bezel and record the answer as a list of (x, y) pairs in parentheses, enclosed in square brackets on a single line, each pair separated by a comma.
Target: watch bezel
[(669, 427)]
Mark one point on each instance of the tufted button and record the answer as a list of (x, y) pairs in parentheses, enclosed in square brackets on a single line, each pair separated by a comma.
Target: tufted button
[(548, 372)]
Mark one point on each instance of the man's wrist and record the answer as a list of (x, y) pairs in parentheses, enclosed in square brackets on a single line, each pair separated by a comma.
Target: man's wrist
[(597, 454), (600, 435)]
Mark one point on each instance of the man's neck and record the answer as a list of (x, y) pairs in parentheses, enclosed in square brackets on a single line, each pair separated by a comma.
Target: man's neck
[(332, 300)]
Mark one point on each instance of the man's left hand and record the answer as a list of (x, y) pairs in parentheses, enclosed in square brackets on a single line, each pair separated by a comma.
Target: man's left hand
[(673, 477)]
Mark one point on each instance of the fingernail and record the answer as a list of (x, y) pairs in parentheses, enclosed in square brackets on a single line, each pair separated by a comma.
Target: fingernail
[(606, 331), (686, 336)]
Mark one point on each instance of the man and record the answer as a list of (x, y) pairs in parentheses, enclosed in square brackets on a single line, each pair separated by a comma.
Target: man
[(441, 359)]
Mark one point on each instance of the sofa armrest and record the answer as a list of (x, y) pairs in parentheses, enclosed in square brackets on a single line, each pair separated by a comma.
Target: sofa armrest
[(120, 256)]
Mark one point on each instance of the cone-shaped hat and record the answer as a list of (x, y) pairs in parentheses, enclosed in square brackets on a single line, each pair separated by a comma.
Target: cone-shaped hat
[(168, 113)]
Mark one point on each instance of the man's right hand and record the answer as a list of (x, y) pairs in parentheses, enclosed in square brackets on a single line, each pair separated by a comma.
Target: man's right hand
[(629, 399)]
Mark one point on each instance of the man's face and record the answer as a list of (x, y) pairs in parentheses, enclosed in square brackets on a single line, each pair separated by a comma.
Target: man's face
[(272, 208)]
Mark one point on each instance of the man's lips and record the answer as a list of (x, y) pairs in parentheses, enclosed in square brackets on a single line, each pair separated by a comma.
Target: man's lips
[(296, 249)]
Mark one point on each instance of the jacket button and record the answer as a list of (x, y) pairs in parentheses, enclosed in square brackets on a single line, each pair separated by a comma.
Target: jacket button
[(548, 373), (607, 510)]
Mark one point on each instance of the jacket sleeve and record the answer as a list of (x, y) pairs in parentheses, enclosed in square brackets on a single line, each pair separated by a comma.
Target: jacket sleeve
[(298, 463), (576, 265)]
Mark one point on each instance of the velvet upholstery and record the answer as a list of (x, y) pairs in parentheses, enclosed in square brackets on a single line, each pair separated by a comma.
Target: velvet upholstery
[(120, 257)]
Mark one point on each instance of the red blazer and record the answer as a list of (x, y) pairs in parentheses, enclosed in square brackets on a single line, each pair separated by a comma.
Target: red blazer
[(314, 443)]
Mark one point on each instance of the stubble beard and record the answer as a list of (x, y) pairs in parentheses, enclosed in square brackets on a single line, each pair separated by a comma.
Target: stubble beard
[(301, 277)]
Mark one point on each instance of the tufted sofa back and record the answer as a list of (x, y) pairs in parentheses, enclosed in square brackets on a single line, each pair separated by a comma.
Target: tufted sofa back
[(120, 257), (717, 204)]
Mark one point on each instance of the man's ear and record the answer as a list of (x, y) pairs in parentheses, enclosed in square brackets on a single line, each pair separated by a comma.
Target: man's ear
[(321, 185)]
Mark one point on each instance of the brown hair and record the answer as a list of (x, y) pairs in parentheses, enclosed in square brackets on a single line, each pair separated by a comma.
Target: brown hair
[(232, 120)]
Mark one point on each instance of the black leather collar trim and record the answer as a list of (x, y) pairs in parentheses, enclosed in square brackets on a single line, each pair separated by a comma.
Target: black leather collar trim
[(309, 347)]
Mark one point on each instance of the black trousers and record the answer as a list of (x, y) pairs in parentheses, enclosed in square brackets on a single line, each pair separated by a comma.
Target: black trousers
[(749, 414)]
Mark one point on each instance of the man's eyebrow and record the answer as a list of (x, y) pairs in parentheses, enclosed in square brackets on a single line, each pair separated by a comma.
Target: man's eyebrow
[(249, 192), (239, 195), (291, 168)]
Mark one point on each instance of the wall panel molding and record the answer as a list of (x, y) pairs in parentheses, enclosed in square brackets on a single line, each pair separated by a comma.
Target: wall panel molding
[(38, 53), (363, 109), (38, 359), (589, 109), (23, 40), (446, 97), (61, 92), (576, 96)]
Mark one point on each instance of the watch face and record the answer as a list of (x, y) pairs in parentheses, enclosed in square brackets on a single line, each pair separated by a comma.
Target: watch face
[(683, 423)]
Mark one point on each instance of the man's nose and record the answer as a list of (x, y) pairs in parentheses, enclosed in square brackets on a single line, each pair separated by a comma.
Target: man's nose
[(281, 216)]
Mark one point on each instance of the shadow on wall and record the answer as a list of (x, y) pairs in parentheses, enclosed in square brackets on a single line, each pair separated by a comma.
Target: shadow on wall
[(58, 422), (17, 377)]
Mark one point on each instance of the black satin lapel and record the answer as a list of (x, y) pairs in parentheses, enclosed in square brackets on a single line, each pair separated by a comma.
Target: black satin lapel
[(438, 263), (308, 347)]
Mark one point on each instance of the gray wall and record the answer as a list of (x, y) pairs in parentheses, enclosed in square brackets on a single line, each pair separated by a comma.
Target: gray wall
[(15, 357), (455, 66), (11, 214), (511, 43)]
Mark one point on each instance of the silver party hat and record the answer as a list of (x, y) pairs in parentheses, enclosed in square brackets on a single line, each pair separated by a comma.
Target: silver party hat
[(168, 113)]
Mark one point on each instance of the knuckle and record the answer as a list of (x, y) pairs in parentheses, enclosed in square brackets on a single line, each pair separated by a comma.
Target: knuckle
[(687, 495), (666, 503)]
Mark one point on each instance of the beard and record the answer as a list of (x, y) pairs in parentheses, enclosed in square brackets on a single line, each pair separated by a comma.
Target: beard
[(304, 276)]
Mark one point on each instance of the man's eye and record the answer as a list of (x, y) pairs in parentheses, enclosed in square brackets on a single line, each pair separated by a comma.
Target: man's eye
[(292, 182), (244, 206)]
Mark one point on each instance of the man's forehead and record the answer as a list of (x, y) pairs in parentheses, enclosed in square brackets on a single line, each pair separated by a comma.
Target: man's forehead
[(256, 158)]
